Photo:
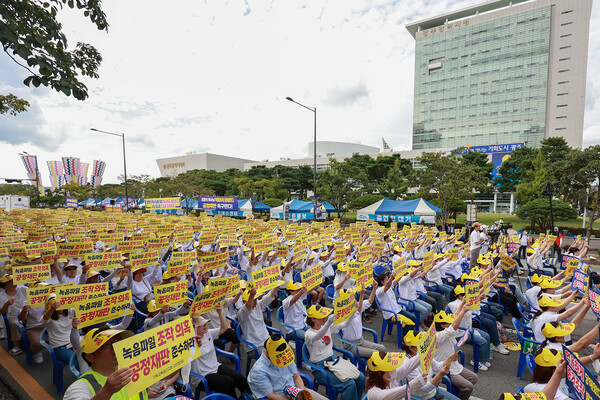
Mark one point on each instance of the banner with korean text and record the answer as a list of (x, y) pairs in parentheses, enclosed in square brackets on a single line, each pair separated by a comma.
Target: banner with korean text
[(156, 353), (36, 297), (312, 277), (472, 297), (166, 203), (231, 282), (171, 294), (344, 308), (210, 261), (426, 347), (74, 249), (104, 309), (208, 300), (103, 261), (30, 273), (70, 295), (266, 278)]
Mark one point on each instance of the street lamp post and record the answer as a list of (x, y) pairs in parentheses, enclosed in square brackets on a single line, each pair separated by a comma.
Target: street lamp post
[(314, 110), (548, 192), (37, 178), (122, 135)]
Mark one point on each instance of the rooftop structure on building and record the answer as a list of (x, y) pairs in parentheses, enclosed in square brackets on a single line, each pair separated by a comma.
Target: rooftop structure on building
[(501, 72), (173, 166)]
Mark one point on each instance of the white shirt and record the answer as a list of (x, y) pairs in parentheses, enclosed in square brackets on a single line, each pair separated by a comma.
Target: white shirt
[(252, 322), (20, 298), (388, 300), (207, 363), (294, 314), (446, 341), (475, 237), (59, 331), (538, 322), (353, 331), (561, 394)]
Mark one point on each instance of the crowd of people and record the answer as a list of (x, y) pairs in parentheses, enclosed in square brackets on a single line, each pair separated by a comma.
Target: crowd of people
[(421, 281)]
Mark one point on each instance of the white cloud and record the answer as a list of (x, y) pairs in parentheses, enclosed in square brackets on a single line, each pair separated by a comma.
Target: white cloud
[(213, 76)]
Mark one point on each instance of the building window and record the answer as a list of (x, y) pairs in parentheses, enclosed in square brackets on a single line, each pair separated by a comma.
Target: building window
[(561, 105), (563, 70)]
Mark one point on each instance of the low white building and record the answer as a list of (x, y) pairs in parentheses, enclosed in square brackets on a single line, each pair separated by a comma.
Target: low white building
[(173, 166)]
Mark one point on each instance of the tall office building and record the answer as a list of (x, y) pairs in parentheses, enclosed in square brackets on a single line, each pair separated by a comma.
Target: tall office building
[(501, 72)]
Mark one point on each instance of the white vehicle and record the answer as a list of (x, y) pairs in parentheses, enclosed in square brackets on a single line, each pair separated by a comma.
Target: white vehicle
[(11, 202)]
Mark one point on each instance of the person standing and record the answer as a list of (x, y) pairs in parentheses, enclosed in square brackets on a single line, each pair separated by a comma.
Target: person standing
[(556, 247), (476, 241)]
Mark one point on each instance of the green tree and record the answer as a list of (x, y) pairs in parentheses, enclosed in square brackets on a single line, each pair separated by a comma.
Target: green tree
[(395, 183), (272, 202), (12, 105), (513, 170), (364, 201), (479, 160), (32, 36), (582, 174), (77, 191), (538, 212), (450, 180), (534, 181), (18, 189), (337, 183)]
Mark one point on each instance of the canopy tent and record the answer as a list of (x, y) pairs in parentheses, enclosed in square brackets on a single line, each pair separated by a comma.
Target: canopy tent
[(299, 209), (418, 210), (91, 202), (189, 203)]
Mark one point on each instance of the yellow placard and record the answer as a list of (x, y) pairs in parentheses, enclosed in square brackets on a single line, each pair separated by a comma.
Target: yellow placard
[(74, 250), (344, 308), (507, 262), (266, 278), (160, 243), (210, 261), (156, 353), (208, 300), (103, 261), (129, 246), (364, 252), (171, 294), (453, 253), (143, 260), (472, 297), (428, 260), (231, 282), (426, 347), (71, 295), (103, 309), (353, 267), (364, 276), (312, 278), (572, 265), (36, 297), (30, 273)]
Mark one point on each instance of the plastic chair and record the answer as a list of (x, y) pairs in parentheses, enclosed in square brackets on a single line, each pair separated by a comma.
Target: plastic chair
[(57, 366), (27, 345), (362, 362), (332, 393), (330, 291), (254, 351), (405, 303), (218, 396), (205, 387), (389, 325), (185, 388), (525, 335), (7, 329), (298, 342), (74, 365), (526, 313)]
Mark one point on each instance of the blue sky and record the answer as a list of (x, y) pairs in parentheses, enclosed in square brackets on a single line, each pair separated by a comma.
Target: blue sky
[(213, 76)]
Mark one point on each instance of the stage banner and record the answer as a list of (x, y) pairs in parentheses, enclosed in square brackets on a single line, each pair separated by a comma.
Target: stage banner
[(218, 203), (70, 202), (166, 203)]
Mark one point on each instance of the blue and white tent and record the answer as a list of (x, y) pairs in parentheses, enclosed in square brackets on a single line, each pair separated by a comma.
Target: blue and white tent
[(384, 210), (299, 209)]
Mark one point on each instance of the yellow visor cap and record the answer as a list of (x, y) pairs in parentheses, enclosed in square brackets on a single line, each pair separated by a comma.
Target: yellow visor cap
[(322, 312), (443, 317), (280, 353), (550, 284), (390, 362), (93, 340), (411, 338), (562, 329), (548, 359), (546, 301)]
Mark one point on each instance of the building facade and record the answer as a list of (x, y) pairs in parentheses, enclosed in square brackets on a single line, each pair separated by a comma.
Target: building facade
[(173, 166), (501, 72)]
